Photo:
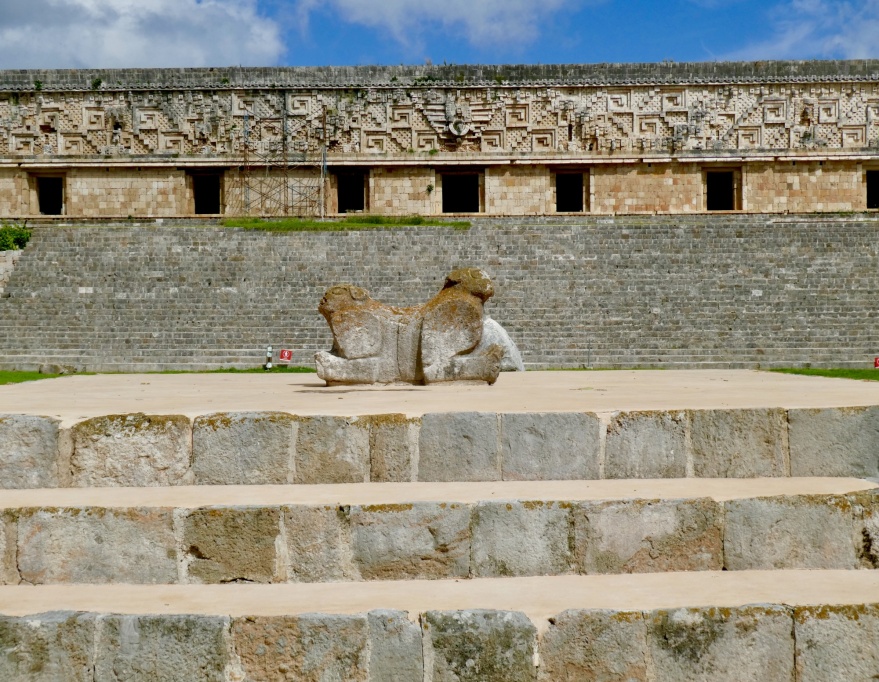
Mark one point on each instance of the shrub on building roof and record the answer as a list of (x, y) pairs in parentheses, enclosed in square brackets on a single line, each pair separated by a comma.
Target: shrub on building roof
[(13, 237)]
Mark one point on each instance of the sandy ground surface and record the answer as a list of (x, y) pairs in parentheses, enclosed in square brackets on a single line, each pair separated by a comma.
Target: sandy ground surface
[(190, 497), (75, 398), (539, 598)]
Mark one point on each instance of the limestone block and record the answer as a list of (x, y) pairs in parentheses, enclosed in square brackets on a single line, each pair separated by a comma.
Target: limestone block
[(722, 645), (319, 544), (478, 646), (808, 531), (308, 648), (227, 544), (841, 441), (393, 447), (29, 451), (647, 536), (244, 448), (395, 653), (522, 538), (132, 450), (599, 646), (493, 334), (97, 545), (167, 647), (550, 446), (406, 541), (459, 446), (332, 450), (646, 445), (837, 642), (739, 443), (8, 548), (48, 646)]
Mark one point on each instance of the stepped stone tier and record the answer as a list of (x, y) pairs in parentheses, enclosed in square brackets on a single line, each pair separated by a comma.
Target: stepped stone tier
[(649, 526), (501, 140)]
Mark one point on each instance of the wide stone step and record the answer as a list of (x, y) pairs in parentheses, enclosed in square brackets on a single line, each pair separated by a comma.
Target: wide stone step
[(275, 534), (724, 626)]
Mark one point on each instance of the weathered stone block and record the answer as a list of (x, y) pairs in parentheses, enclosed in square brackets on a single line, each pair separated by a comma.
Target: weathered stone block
[(308, 648), (837, 642), (393, 447), (739, 443), (599, 646), (332, 450), (550, 446), (226, 544), (8, 549), (30, 451), (244, 448), (648, 536), (459, 446), (646, 445), (131, 450), (478, 646), (807, 531), (319, 546), (522, 538), (395, 653), (735, 645), (399, 541), (168, 647), (97, 545), (48, 646), (842, 441)]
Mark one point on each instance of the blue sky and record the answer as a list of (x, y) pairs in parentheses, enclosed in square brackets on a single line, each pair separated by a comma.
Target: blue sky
[(149, 33)]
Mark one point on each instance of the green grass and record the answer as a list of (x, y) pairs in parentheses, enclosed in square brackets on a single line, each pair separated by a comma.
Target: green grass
[(859, 374), (351, 222), (18, 377)]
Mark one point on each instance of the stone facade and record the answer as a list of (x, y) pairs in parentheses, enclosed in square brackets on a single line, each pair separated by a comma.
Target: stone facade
[(779, 136)]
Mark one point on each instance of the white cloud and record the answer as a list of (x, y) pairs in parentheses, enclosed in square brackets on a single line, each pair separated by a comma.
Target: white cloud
[(490, 22), (142, 33), (810, 29)]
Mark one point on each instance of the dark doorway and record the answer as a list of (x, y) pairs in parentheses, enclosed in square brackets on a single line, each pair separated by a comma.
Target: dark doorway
[(50, 192), (352, 191), (720, 190), (460, 193), (569, 192), (873, 189), (206, 192)]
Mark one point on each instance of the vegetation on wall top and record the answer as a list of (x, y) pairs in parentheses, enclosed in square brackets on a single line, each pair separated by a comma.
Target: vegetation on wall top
[(13, 237)]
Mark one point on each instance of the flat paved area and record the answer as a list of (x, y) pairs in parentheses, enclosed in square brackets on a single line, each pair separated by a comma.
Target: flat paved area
[(75, 398), (539, 598), (190, 497)]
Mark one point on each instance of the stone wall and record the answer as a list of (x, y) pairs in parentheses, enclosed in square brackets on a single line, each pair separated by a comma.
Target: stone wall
[(667, 188), (403, 191), (804, 186), (519, 191), (150, 192), (8, 259)]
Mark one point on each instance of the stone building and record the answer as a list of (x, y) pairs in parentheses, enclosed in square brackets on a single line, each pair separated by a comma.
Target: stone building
[(762, 137)]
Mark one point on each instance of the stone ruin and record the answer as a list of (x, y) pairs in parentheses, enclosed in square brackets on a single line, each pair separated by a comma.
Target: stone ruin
[(449, 338)]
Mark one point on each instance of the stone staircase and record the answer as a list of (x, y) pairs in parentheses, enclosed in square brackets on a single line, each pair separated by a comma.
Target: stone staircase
[(663, 291), (709, 544)]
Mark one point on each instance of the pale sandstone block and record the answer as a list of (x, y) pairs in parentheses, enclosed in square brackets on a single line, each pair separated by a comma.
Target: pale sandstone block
[(307, 648), (646, 445), (648, 536), (57, 646), (522, 538), (550, 446), (228, 544), (478, 646), (393, 447), (841, 441), (837, 642), (319, 545), (739, 443), (411, 541), (332, 450), (808, 531), (132, 450), (459, 446), (30, 451), (244, 448), (719, 645), (168, 647), (8, 549), (395, 652), (598, 646), (96, 546)]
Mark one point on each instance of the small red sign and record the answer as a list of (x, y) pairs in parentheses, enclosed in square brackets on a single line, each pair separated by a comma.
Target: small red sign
[(286, 355), (875, 363)]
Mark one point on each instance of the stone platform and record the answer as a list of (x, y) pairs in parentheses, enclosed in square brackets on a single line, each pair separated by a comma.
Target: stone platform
[(651, 525)]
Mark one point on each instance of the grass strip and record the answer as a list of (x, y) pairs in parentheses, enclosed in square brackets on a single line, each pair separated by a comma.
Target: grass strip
[(858, 374), (14, 377)]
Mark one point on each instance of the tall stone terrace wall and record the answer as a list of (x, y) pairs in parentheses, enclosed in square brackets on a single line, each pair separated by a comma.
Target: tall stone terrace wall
[(696, 291)]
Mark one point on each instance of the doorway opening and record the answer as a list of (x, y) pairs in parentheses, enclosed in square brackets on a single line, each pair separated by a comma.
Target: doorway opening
[(351, 191), (50, 193), (206, 192), (720, 190), (873, 189), (460, 192), (569, 193)]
